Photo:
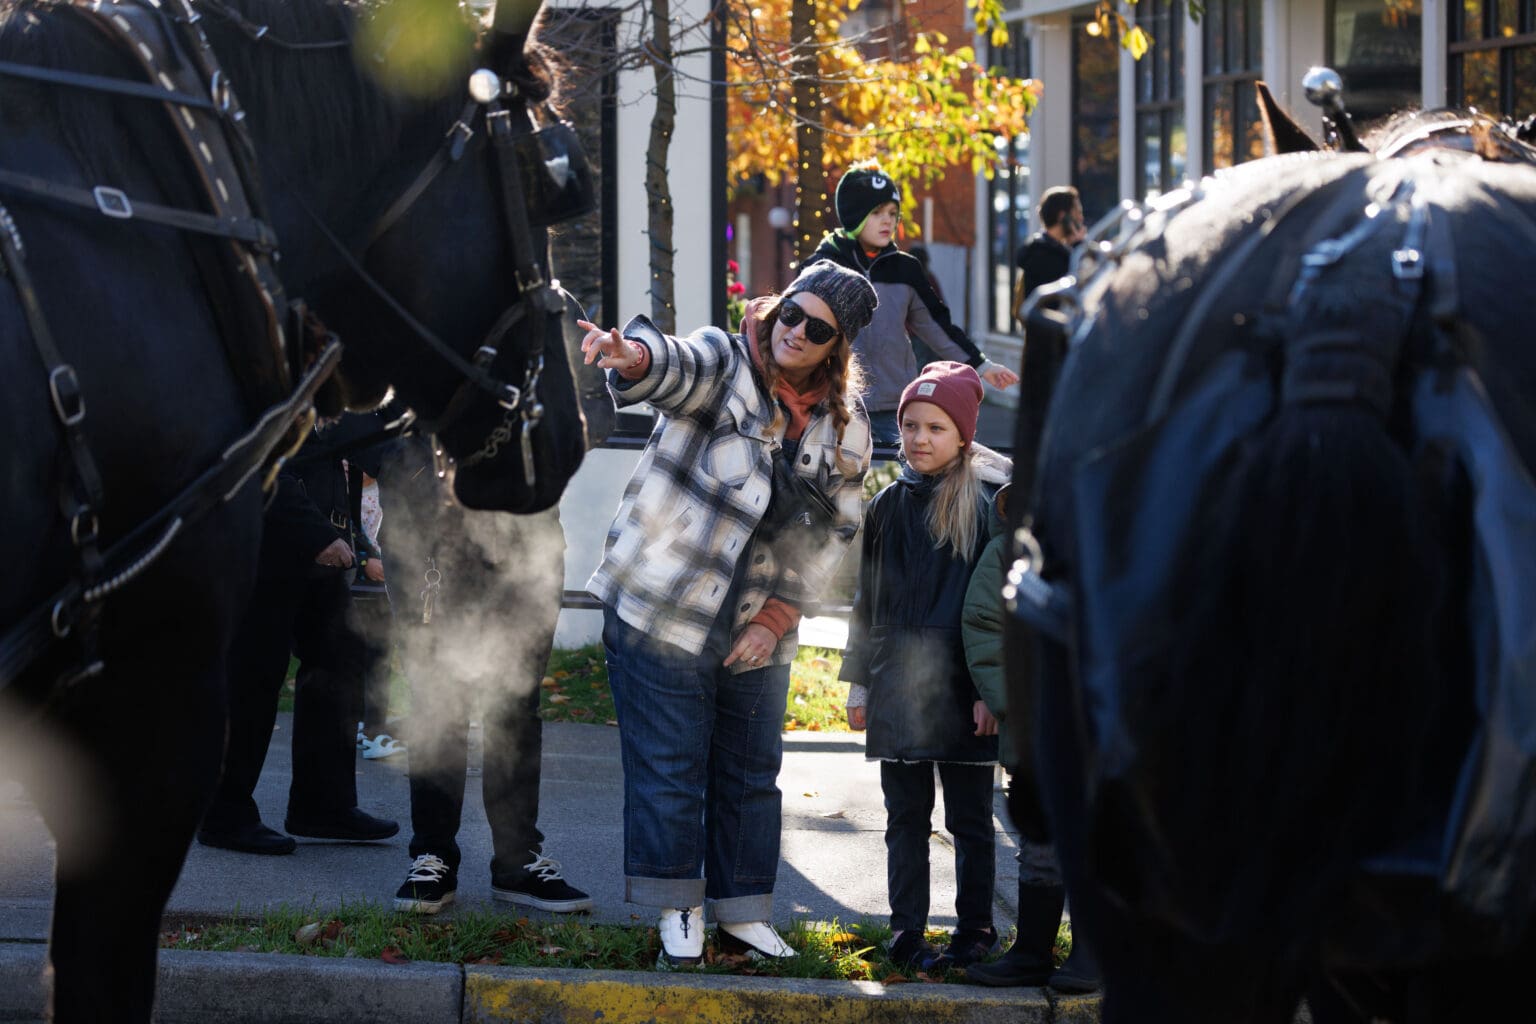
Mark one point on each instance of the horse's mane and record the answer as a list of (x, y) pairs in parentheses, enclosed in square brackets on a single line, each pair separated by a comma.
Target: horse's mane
[(325, 104)]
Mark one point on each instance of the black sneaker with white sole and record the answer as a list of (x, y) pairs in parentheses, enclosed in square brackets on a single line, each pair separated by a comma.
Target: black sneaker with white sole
[(429, 887), (542, 887)]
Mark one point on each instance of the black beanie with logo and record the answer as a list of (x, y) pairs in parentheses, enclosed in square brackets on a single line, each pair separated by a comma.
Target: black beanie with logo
[(859, 192)]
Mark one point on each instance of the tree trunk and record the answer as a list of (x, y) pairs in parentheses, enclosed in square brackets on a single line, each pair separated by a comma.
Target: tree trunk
[(811, 202), (658, 190)]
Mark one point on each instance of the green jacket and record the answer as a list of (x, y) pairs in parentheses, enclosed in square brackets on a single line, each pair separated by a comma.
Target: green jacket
[(982, 628)]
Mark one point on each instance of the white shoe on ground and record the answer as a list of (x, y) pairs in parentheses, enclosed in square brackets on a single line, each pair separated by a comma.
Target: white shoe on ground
[(759, 937), (682, 937)]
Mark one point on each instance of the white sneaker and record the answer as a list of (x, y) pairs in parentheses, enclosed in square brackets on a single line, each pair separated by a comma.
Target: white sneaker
[(760, 938), (682, 937), (383, 745)]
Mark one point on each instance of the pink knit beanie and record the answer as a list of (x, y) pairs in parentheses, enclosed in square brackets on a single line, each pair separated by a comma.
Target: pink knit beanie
[(953, 387)]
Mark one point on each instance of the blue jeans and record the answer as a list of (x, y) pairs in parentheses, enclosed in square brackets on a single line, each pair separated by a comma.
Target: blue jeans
[(883, 426), (702, 748)]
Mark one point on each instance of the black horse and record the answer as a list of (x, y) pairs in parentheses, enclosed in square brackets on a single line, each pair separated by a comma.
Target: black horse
[(1274, 609), (138, 355)]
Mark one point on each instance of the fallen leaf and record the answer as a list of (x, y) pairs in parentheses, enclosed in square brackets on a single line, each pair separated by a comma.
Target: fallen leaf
[(813, 727), (393, 955), (307, 934), (611, 721), (842, 938), (811, 794), (895, 979), (332, 929), (834, 814), (581, 712), (821, 663), (562, 674), (558, 698), (548, 681), (551, 950)]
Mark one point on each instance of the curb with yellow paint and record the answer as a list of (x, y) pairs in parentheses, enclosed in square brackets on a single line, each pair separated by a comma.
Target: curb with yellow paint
[(493, 995)]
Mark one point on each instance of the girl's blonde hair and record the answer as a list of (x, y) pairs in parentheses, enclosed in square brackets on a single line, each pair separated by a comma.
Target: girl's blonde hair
[(953, 521), (844, 375)]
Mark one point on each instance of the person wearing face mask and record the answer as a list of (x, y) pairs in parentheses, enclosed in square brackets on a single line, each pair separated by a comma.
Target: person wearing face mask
[(912, 325), (743, 504)]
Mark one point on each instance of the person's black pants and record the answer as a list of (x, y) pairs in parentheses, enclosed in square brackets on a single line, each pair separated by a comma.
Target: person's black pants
[(909, 794), (309, 618), (446, 693), (373, 621)]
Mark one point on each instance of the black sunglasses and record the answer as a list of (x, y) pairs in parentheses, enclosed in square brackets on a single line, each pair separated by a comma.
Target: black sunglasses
[(817, 330)]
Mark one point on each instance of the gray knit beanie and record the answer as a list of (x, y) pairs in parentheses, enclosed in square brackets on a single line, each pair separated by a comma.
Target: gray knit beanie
[(846, 292)]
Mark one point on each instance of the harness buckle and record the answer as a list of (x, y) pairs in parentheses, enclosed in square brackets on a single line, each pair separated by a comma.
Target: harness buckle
[(220, 92), (458, 138), (1407, 264), (68, 399), (60, 621), (484, 356), (113, 202), (84, 527), (512, 396), (536, 281)]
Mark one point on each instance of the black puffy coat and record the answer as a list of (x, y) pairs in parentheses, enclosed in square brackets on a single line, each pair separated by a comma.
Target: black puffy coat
[(904, 639)]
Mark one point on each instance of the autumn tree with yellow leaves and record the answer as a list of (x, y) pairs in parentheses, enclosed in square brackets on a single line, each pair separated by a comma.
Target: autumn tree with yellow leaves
[(807, 97)]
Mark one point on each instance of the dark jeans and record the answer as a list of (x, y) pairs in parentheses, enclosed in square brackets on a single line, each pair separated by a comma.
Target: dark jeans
[(909, 796), (883, 426), (309, 618), (702, 748)]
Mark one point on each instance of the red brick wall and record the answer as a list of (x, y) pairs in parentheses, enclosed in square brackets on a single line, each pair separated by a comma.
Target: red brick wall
[(954, 197)]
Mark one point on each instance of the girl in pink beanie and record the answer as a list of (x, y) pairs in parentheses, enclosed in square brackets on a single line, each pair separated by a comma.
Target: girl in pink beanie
[(905, 659)]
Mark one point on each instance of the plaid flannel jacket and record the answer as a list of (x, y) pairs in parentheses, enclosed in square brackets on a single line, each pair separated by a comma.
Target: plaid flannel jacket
[(701, 488)]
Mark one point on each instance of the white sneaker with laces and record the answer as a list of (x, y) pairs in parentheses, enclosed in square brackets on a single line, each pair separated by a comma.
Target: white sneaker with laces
[(682, 937), (760, 938)]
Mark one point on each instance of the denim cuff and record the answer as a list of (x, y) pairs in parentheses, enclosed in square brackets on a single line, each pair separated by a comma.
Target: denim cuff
[(664, 892), (742, 909)]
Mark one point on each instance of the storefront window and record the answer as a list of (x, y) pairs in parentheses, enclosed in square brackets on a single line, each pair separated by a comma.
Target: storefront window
[(1095, 119), (1008, 204), (1377, 48), (1493, 55), (1233, 60), (1161, 146)]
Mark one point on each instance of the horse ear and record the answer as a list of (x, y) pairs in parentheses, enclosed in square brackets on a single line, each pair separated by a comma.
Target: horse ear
[(1281, 130)]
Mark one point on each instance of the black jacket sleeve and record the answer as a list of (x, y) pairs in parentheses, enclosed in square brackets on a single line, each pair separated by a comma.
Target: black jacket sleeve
[(939, 310)]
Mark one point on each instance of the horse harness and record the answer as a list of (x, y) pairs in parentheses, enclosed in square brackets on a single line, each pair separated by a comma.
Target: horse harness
[(184, 75)]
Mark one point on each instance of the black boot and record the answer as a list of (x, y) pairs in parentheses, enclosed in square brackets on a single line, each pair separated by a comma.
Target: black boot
[(1080, 974), (1030, 960)]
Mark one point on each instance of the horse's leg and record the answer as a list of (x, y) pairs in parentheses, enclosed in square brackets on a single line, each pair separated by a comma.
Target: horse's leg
[(154, 755)]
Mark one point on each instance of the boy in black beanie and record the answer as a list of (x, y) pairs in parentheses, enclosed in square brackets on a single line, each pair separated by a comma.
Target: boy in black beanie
[(910, 313)]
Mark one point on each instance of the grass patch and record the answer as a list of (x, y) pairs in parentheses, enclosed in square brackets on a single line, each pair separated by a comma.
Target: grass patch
[(575, 689), (369, 931)]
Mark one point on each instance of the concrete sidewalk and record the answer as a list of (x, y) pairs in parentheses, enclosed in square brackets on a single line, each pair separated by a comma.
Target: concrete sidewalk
[(833, 868)]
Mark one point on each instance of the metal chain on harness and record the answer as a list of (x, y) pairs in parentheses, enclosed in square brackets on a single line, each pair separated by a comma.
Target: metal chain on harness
[(530, 411), (433, 580)]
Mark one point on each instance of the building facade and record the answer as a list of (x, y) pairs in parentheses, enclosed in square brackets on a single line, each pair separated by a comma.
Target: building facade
[(1121, 129)]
